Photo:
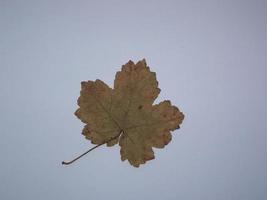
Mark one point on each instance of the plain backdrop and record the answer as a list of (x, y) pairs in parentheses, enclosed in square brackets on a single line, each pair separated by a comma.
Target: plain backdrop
[(210, 59)]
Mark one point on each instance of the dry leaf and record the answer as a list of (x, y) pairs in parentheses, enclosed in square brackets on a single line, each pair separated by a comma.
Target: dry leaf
[(126, 114)]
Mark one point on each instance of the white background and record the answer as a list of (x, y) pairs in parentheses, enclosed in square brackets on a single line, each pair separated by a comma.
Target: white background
[(210, 59)]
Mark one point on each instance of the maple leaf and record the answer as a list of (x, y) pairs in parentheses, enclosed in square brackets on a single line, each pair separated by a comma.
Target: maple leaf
[(126, 114)]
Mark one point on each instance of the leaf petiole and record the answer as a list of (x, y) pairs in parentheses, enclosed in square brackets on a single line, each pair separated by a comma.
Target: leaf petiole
[(68, 163)]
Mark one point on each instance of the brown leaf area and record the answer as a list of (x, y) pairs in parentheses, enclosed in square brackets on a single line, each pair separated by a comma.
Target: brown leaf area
[(126, 114)]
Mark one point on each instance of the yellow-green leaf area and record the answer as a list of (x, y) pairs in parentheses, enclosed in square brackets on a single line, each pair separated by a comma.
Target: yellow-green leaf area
[(126, 114)]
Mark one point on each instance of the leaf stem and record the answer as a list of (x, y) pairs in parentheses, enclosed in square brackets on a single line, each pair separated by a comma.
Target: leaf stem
[(67, 163), (78, 157)]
